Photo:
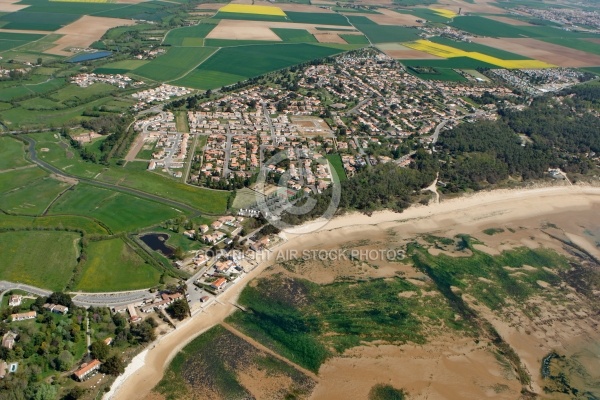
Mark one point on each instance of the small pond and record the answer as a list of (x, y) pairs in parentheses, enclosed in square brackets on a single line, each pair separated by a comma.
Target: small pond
[(158, 242)]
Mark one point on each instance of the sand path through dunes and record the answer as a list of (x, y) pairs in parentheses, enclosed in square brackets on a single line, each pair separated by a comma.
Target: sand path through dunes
[(457, 215)]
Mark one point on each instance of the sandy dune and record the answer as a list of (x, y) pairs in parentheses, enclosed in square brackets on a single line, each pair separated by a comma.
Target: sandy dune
[(466, 214)]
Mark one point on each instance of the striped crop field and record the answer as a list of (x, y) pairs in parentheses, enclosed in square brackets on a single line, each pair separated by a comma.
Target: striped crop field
[(444, 51), (251, 9), (444, 13), (84, 1)]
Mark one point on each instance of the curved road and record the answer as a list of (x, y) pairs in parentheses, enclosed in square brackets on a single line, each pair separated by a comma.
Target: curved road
[(83, 299), (138, 193)]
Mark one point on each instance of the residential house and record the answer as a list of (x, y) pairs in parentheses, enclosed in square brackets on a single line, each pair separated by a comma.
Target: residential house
[(15, 300), (23, 316), (133, 315), (87, 370), (219, 283), (8, 341), (56, 308)]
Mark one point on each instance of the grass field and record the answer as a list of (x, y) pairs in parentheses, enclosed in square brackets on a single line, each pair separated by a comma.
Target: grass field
[(32, 198), (13, 180), (445, 51), (44, 259), (224, 68), (181, 36), (119, 211), (251, 9), (19, 222), (12, 153), (174, 64), (294, 35), (114, 266), (355, 39), (73, 91), (120, 67), (336, 161)]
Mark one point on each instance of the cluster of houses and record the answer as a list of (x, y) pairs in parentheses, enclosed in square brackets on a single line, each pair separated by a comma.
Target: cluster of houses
[(218, 230), (121, 81), (162, 93), (162, 301)]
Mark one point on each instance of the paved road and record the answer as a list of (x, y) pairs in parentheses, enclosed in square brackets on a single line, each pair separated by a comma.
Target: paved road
[(138, 193), (82, 299), (436, 133)]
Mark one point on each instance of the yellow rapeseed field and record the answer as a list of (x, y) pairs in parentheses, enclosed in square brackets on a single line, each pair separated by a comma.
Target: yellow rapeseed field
[(444, 13), (444, 51), (250, 9)]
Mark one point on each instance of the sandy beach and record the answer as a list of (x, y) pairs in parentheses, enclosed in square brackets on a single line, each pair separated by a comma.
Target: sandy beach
[(461, 215)]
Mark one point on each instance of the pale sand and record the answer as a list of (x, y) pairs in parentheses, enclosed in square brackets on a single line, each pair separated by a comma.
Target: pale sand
[(83, 32), (461, 215)]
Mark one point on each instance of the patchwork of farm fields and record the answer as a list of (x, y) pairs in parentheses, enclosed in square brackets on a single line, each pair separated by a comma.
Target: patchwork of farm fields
[(445, 51)]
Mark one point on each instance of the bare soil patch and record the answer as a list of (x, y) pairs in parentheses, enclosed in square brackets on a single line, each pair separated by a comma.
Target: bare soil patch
[(83, 32), (242, 31), (329, 37), (10, 6), (543, 51)]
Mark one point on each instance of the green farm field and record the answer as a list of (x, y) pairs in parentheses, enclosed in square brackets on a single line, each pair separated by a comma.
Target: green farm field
[(32, 198), (13, 180), (355, 39), (119, 211), (258, 59), (181, 36), (175, 63), (120, 67), (41, 258), (294, 35), (384, 33), (317, 18), (12, 153), (456, 62), (114, 266), (20, 222), (480, 48)]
